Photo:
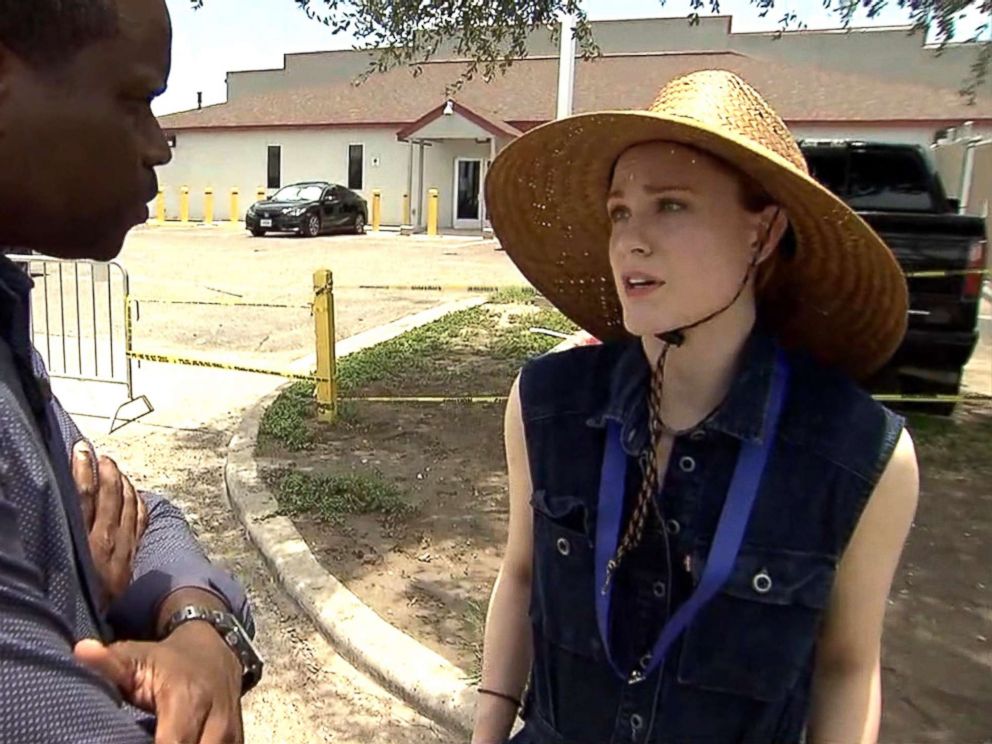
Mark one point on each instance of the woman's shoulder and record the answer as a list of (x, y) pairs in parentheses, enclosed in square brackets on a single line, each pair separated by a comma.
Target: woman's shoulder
[(575, 378), (832, 414)]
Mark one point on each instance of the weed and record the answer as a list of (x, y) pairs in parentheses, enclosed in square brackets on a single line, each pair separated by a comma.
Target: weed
[(286, 421), (331, 497)]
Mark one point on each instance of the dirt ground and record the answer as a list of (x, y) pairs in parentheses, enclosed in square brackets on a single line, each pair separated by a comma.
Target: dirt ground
[(430, 574), (309, 694)]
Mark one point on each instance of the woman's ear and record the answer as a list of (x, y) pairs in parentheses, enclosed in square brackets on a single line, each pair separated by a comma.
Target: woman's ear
[(772, 225)]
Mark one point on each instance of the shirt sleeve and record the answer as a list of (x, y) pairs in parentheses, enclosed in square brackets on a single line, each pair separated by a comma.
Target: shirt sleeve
[(45, 696), (169, 558)]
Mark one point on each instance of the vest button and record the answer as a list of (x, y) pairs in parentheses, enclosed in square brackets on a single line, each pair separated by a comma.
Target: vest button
[(659, 589), (564, 546), (673, 527), (687, 464), (762, 582)]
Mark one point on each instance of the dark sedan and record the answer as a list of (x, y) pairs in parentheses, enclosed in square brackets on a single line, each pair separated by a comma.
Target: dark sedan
[(309, 209)]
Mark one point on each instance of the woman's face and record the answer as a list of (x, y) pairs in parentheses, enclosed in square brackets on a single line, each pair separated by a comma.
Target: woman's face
[(681, 238)]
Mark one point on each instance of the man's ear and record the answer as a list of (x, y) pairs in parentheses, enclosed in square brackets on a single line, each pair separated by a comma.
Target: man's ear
[(772, 225)]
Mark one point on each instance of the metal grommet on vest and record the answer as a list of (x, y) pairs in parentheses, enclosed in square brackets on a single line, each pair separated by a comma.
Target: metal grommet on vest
[(762, 582), (687, 464), (564, 546)]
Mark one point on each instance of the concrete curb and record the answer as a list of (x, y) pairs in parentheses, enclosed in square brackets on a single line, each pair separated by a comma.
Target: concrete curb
[(417, 675)]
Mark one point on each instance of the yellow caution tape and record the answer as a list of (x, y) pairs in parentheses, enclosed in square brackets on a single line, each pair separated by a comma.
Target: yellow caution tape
[(428, 399), (430, 287), (892, 398), (938, 273), (224, 303), (206, 363)]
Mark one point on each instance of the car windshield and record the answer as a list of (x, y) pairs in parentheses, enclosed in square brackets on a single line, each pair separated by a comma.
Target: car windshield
[(875, 178), (299, 193)]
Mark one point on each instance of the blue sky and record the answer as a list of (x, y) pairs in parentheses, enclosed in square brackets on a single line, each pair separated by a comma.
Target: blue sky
[(254, 34)]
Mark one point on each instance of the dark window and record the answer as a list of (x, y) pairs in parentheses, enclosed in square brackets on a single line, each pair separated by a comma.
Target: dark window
[(356, 167), (875, 178), (275, 167)]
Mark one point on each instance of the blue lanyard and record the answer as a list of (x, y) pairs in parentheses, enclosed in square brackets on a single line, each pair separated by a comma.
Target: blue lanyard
[(726, 541)]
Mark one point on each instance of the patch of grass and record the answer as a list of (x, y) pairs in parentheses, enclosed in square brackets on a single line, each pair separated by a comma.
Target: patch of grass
[(960, 443), (331, 497), (518, 344), (414, 351), (286, 420), (475, 622), (514, 296)]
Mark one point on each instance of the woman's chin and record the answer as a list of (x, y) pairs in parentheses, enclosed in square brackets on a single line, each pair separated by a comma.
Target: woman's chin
[(645, 327)]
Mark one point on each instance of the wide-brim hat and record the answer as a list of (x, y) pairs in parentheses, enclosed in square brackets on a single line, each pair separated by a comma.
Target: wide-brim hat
[(840, 295)]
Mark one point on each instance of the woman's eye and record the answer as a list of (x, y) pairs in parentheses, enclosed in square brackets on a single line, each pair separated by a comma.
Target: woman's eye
[(618, 214), (670, 205)]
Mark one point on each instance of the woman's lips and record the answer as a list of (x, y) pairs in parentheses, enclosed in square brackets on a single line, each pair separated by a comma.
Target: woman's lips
[(639, 285)]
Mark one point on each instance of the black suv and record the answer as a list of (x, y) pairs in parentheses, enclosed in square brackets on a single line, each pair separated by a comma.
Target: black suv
[(309, 209)]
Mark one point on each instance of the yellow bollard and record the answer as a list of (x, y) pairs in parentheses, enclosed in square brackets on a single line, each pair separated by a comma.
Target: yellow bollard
[(432, 212), (160, 207), (406, 209), (208, 206), (235, 212), (184, 204), (260, 194), (376, 209), (323, 318)]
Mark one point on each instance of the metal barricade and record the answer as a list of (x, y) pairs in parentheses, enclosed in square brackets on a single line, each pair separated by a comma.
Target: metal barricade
[(81, 324)]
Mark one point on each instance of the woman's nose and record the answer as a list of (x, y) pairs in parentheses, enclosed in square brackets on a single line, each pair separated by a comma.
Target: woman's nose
[(630, 242)]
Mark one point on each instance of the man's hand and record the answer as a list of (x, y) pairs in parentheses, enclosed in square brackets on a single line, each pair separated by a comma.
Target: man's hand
[(191, 681), (114, 515)]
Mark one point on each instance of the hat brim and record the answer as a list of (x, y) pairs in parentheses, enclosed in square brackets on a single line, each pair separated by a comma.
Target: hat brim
[(842, 296)]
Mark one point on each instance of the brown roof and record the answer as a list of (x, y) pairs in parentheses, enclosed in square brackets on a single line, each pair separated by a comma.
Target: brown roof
[(526, 93)]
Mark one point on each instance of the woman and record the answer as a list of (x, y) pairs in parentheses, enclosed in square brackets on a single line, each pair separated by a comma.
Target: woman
[(706, 511)]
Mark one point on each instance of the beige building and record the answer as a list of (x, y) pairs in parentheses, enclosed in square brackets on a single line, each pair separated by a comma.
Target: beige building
[(403, 134)]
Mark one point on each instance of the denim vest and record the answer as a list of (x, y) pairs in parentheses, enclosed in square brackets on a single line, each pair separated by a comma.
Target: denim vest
[(742, 671)]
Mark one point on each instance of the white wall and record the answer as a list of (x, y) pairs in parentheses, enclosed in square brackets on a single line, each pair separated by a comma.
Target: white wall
[(917, 135), (226, 159)]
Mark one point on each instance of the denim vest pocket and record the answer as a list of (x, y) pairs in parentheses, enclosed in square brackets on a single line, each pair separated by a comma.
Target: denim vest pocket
[(755, 636), (562, 606)]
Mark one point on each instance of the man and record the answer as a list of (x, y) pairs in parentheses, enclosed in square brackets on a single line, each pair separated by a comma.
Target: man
[(143, 621)]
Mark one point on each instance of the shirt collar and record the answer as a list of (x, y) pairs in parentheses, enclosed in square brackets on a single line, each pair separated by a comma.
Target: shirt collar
[(741, 415), (15, 294)]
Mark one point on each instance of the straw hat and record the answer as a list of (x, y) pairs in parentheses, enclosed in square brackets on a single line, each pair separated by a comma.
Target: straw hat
[(842, 296)]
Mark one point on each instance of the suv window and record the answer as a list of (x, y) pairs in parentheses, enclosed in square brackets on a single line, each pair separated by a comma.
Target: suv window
[(875, 178)]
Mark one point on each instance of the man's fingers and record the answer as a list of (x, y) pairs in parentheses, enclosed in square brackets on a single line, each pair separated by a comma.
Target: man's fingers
[(223, 727), (115, 667), (125, 542), (177, 720), (84, 474), (129, 514), (142, 520), (108, 500)]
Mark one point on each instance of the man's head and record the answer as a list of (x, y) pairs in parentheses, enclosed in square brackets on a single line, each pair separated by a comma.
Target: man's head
[(78, 141)]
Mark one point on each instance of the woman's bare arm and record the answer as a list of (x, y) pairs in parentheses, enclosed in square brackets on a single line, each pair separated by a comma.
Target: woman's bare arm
[(507, 654), (846, 705)]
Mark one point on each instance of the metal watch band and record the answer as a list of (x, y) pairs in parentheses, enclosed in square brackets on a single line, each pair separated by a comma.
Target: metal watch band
[(230, 630)]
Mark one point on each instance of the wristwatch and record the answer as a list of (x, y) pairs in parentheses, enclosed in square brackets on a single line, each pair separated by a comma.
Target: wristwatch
[(234, 636)]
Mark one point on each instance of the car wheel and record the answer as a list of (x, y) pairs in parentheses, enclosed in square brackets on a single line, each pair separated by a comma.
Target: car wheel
[(258, 233), (312, 228), (359, 226)]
